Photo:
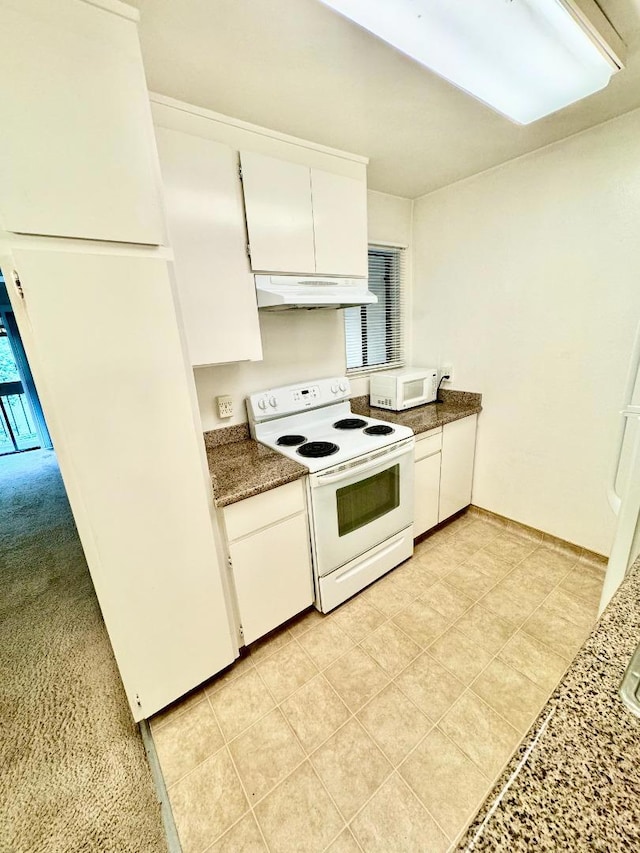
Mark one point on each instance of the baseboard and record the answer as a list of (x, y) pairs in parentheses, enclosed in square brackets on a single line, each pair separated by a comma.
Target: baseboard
[(548, 539)]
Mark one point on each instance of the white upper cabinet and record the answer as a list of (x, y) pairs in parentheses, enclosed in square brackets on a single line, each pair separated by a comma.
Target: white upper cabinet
[(277, 197), (205, 215), (339, 224), (301, 219), (77, 155)]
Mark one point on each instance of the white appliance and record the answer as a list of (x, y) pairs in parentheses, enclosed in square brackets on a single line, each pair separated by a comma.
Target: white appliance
[(624, 488), (280, 292), (403, 389), (360, 485)]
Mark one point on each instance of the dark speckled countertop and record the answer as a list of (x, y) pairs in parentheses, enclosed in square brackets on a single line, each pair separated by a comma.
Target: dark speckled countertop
[(241, 467), (454, 405), (579, 789)]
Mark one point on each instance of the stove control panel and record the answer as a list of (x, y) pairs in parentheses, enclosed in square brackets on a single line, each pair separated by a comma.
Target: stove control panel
[(306, 397), (290, 399)]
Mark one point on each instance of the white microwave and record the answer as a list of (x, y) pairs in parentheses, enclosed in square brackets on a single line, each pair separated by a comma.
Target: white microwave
[(402, 389)]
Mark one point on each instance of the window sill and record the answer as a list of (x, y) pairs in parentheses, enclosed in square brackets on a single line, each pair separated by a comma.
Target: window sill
[(365, 371)]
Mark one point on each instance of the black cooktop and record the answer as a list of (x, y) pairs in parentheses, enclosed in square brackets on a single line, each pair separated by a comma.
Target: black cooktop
[(379, 429), (315, 449), (290, 440), (350, 423)]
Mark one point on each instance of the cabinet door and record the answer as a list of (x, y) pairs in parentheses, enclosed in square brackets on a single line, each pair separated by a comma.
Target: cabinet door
[(427, 491), (103, 342), (272, 575), (77, 154), (456, 475), (277, 198), (205, 215), (339, 223)]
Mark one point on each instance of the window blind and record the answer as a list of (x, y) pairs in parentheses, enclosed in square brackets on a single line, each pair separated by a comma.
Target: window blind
[(374, 333)]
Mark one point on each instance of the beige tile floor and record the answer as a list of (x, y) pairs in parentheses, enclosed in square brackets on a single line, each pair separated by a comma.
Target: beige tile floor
[(382, 726)]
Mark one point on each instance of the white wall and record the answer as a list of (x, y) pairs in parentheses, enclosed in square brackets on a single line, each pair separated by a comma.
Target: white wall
[(297, 344), (527, 279)]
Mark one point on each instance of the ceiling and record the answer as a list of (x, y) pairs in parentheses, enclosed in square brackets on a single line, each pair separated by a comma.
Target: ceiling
[(298, 67)]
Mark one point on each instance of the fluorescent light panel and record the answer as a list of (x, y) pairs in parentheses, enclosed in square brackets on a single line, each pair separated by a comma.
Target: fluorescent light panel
[(524, 58)]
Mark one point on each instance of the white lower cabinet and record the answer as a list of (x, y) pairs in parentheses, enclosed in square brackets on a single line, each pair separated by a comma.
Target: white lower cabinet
[(456, 472), (268, 537), (443, 472), (427, 481)]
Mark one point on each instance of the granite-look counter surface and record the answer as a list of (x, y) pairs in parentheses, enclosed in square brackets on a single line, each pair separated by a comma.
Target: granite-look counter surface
[(454, 405), (579, 789), (241, 467)]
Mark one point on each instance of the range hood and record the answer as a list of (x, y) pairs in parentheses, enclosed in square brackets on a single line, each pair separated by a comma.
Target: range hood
[(279, 292)]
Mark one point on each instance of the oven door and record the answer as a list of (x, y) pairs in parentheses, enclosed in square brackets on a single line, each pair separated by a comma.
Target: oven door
[(361, 504)]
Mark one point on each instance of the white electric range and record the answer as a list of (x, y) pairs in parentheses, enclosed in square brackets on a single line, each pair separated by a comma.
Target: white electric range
[(360, 484)]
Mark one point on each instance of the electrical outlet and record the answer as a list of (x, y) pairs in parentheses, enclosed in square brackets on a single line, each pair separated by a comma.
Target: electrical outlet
[(447, 370), (225, 407)]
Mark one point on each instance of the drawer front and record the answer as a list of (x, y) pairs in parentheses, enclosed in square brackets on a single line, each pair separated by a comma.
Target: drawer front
[(429, 444), (262, 510)]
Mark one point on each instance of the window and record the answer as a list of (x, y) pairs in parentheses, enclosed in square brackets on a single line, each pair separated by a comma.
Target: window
[(373, 333)]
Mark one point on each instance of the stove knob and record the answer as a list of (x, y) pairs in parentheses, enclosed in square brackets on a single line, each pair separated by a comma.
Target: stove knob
[(273, 402), (343, 387), (262, 404), (334, 388)]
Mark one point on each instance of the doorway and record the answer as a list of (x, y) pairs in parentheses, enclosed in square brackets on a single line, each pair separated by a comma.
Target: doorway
[(22, 423)]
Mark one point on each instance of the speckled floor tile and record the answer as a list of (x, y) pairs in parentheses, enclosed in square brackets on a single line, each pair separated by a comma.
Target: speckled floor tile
[(395, 820), (421, 622), (430, 686), (315, 712), (241, 703), (207, 802), (577, 788), (481, 733), (485, 628), (299, 814), (356, 678), (461, 656), (394, 722), (500, 614), (447, 782), (351, 767), (391, 648), (186, 740), (265, 754), (286, 670), (325, 642), (510, 693), (538, 662), (243, 837), (357, 618)]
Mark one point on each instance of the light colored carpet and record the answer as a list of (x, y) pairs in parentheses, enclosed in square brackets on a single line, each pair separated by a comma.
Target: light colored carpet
[(73, 771)]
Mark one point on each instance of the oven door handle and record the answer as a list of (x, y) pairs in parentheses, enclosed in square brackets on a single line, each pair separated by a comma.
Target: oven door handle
[(381, 458)]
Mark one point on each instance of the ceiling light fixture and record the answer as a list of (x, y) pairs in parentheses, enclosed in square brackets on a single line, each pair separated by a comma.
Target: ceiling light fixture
[(523, 58)]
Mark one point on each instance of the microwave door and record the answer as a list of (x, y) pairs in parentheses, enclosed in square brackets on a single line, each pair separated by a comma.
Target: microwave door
[(413, 391)]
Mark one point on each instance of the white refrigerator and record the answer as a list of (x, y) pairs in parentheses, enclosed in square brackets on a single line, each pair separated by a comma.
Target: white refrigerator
[(624, 486)]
